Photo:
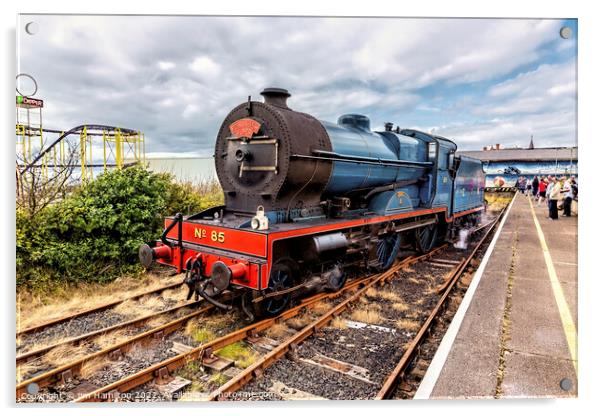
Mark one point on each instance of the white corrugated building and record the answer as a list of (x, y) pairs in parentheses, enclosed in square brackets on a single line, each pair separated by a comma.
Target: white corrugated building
[(185, 169)]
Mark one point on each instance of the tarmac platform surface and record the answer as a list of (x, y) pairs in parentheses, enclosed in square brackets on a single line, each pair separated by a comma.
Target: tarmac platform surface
[(515, 333)]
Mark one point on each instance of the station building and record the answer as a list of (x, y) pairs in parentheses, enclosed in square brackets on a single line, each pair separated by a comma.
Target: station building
[(509, 164)]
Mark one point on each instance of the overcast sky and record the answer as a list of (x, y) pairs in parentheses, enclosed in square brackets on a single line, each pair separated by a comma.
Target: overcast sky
[(479, 82)]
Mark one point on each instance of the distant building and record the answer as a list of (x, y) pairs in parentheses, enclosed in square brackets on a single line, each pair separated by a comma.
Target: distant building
[(512, 163), (185, 169)]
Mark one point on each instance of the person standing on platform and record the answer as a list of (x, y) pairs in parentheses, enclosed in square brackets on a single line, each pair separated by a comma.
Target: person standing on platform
[(535, 187), (529, 185), (551, 181), (567, 190), (543, 185), (520, 184), (554, 197)]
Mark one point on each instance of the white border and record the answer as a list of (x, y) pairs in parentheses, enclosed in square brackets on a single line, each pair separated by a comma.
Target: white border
[(590, 66), (434, 371)]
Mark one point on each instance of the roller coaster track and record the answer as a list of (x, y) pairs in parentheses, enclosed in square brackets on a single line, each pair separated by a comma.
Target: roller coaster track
[(74, 130)]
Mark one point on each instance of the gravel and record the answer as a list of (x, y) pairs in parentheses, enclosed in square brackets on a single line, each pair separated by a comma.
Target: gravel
[(310, 379)]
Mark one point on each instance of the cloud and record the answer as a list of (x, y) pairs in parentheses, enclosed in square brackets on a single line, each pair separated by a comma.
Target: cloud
[(205, 66), (165, 65), (176, 78), (548, 130)]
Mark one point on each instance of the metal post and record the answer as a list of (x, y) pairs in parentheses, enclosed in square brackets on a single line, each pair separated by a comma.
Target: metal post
[(104, 150), (82, 153), (62, 150), (118, 148)]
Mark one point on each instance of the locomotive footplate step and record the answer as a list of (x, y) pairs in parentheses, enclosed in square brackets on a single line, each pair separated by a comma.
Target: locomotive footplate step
[(289, 393), (513, 332), (175, 386)]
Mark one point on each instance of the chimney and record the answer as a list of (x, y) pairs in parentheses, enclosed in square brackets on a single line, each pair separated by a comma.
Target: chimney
[(275, 96), (497, 146)]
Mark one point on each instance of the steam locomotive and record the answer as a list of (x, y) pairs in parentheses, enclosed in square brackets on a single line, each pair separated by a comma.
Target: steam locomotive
[(307, 201)]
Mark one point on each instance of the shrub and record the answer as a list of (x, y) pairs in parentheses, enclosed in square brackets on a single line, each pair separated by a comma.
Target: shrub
[(93, 235)]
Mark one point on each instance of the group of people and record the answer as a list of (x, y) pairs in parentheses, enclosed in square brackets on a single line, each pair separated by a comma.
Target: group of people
[(552, 190)]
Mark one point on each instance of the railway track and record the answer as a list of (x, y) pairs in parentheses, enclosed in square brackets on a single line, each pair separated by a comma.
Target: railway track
[(100, 308), (76, 341), (65, 373), (400, 370), (60, 379)]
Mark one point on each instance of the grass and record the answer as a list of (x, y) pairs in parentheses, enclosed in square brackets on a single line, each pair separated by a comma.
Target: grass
[(466, 279), (432, 290), (277, 330), (200, 335), (111, 338), (177, 295), (144, 306), (365, 300), (367, 315), (43, 344), (127, 309), (407, 324), (372, 292), (158, 321), (429, 277), (299, 321), (218, 379), (338, 323), (27, 368), (203, 335), (454, 301), (191, 370), (384, 294), (389, 295), (63, 354), (203, 329), (413, 280), (239, 352), (321, 307), (151, 303), (197, 386), (400, 306), (93, 366)]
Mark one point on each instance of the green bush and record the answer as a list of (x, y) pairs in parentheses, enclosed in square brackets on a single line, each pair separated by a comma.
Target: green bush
[(93, 235)]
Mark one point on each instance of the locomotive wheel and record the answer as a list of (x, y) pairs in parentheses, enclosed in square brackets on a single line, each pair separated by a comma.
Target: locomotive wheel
[(282, 277), (426, 238), (387, 249)]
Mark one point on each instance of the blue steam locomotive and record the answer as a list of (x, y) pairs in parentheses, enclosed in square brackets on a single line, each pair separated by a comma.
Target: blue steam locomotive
[(307, 200)]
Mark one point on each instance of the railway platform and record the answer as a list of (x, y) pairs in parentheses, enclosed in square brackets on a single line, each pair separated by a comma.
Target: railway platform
[(515, 333)]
